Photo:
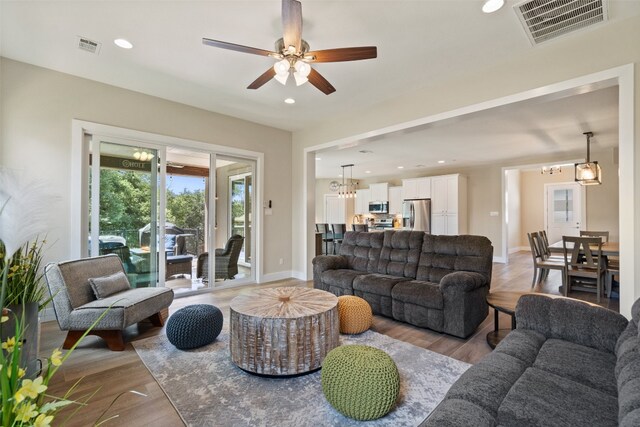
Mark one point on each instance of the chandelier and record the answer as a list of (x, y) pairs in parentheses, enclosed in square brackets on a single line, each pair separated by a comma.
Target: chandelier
[(588, 173), (347, 189), (550, 170)]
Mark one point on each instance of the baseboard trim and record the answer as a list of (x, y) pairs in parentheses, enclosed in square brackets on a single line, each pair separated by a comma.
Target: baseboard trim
[(300, 275), (518, 249), (499, 259), (278, 275)]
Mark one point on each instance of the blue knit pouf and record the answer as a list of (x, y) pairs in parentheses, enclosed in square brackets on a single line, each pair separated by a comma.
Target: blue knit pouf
[(194, 326)]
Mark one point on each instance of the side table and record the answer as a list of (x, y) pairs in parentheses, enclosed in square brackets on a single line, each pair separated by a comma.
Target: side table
[(505, 302)]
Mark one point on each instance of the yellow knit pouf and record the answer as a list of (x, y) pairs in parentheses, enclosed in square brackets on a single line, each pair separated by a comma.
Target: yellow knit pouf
[(355, 314)]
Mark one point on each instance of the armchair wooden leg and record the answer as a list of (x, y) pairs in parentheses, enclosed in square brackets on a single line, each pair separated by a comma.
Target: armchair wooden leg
[(159, 318), (114, 339)]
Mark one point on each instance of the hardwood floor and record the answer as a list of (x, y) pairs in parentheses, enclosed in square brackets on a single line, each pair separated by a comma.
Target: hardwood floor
[(112, 373)]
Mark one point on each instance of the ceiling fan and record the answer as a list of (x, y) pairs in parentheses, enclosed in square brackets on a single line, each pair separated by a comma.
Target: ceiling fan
[(293, 54)]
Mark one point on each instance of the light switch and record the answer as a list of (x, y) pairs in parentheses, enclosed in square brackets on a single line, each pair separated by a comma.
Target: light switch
[(494, 213)]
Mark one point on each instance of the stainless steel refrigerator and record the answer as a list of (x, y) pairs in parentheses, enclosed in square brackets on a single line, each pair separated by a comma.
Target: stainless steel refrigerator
[(416, 215)]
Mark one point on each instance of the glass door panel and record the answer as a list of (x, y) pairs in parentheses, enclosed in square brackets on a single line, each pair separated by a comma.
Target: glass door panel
[(125, 208)]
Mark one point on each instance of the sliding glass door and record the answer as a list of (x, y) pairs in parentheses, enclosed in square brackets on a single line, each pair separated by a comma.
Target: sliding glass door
[(126, 207)]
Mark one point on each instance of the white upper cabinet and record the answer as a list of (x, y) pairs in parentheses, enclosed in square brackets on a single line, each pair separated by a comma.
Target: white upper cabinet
[(362, 201), (379, 192), (416, 188), (395, 200), (449, 204)]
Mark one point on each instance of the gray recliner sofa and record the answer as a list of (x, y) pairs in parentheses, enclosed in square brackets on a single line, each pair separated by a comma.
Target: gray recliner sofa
[(567, 363), (435, 282)]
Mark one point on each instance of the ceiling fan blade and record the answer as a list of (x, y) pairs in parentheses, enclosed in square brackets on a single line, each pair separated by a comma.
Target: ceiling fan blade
[(238, 47), (342, 54), (265, 77), (292, 23), (316, 79)]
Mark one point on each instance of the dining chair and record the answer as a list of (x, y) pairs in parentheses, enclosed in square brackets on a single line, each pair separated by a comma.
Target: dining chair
[(544, 242), (603, 234), (542, 266), (360, 227), (584, 262), (338, 234), (327, 236)]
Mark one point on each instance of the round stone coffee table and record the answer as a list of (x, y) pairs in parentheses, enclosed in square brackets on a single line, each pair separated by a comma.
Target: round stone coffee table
[(283, 331)]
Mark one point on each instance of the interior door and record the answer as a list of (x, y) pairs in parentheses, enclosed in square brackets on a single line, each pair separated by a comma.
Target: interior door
[(565, 212), (127, 208)]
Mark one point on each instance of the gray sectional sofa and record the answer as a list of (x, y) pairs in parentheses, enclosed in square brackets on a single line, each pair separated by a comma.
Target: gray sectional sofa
[(435, 282), (567, 363)]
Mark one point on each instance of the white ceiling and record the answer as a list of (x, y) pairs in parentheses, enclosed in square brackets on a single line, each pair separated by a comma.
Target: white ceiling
[(550, 127), (419, 43)]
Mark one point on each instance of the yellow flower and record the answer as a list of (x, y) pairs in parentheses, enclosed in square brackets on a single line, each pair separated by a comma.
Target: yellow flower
[(26, 412), (30, 389), (4, 319), (43, 420), (56, 357), (21, 372), (9, 344)]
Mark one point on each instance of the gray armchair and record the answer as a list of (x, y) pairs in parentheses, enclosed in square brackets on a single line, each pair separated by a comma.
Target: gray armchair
[(226, 260), (77, 306)]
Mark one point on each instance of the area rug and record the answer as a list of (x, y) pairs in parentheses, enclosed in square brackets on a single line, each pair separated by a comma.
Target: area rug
[(208, 390)]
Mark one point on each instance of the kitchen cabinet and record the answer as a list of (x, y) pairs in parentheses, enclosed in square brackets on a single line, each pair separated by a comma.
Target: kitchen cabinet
[(362, 201), (379, 192), (449, 204), (395, 200), (338, 210), (416, 188)]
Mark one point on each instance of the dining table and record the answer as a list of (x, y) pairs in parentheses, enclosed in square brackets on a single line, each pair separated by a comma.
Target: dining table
[(608, 248)]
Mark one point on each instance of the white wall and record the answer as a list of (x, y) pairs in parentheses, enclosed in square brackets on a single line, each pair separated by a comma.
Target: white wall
[(567, 58), (37, 108), (513, 210)]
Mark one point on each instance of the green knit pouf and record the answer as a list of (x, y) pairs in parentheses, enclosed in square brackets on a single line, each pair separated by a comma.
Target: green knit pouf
[(361, 382)]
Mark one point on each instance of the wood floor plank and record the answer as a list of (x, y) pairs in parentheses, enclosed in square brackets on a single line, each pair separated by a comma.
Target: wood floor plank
[(116, 372)]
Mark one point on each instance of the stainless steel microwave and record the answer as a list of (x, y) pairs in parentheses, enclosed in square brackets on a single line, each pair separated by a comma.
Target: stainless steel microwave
[(379, 207)]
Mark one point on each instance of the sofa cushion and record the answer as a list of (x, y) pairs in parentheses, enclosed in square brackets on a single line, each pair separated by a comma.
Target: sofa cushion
[(124, 308), (541, 398), (442, 255), (457, 413), (585, 365), (487, 383), (522, 344), (76, 274), (362, 250), (400, 253), (628, 375), (424, 294), (378, 284), (108, 285), (341, 278)]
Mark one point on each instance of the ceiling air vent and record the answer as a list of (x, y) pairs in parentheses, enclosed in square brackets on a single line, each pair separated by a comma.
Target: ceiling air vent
[(547, 19), (88, 45)]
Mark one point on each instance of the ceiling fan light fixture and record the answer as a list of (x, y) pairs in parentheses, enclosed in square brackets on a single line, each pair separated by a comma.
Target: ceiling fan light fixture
[(282, 67), (282, 78), (300, 80), (302, 68), (491, 6)]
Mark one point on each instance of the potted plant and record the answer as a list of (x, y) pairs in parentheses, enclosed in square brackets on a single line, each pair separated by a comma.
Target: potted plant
[(25, 295)]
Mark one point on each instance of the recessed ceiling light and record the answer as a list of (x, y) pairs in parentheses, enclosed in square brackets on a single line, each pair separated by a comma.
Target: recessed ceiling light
[(318, 158), (400, 167), (491, 6), (367, 171), (125, 44), (440, 161), (290, 101)]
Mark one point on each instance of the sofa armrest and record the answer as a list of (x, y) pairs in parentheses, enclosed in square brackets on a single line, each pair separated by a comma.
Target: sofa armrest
[(571, 320), (462, 281), (328, 262)]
